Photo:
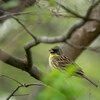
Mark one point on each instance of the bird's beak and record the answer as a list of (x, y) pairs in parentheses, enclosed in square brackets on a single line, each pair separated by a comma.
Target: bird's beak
[(51, 51)]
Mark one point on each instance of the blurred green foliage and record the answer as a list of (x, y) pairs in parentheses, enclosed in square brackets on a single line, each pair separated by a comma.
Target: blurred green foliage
[(10, 4), (43, 23), (58, 87)]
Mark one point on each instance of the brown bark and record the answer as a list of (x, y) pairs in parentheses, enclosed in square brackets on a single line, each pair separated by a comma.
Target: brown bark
[(83, 36), (20, 64)]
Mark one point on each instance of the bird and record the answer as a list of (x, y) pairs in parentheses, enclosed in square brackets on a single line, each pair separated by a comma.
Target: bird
[(57, 60)]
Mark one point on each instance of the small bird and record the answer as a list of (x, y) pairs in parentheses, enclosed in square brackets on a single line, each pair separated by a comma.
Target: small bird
[(58, 61)]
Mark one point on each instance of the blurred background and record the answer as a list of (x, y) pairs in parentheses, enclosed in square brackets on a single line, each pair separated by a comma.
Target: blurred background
[(42, 22)]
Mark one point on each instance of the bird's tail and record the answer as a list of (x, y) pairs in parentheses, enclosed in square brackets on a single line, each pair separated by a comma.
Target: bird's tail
[(90, 81)]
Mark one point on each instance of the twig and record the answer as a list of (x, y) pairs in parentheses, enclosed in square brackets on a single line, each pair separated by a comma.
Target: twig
[(24, 27), (20, 94), (22, 4), (15, 14), (11, 79), (62, 15), (86, 17), (71, 16), (22, 85), (28, 50), (92, 6), (14, 17), (16, 89), (69, 10)]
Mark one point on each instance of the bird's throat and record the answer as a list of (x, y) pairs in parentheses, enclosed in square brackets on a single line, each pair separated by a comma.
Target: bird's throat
[(53, 55)]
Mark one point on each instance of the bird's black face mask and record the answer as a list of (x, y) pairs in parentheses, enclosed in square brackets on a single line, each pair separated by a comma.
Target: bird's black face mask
[(55, 51)]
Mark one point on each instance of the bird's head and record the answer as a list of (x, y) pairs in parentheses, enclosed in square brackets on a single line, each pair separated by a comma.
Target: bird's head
[(55, 50)]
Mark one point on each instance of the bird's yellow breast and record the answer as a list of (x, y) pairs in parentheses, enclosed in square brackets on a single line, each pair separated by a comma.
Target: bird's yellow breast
[(52, 66)]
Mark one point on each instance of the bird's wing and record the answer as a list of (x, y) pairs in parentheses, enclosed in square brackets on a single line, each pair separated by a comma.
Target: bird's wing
[(64, 62)]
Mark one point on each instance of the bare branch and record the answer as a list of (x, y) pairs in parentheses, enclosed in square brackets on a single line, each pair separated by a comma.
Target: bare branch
[(62, 15), (14, 17), (22, 85), (30, 67), (66, 16), (15, 14), (28, 50), (10, 78), (57, 39), (91, 8), (20, 94), (20, 64), (29, 58), (75, 27), (14, 61), (22, 4), (24, 27), (16, 89), (69, 10), (83, 36), (86, 17)]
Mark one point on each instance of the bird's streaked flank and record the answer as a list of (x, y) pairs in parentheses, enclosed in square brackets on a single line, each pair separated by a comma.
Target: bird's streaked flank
[(58, 61)]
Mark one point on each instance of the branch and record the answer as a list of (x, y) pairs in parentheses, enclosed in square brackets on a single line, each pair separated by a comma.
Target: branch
[(28, 50), (25, 28), (92, 6), (83, 36), (14, 61), (14, 14), (86, 17), (66, 16), (62, 15), (69, 10), (20, 94), (57, 39), (22, 5), (22, 85), (10, 78), (20, 64)]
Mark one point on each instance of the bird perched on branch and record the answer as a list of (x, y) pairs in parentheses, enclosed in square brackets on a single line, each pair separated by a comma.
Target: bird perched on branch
[(58, 61)]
